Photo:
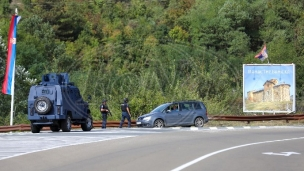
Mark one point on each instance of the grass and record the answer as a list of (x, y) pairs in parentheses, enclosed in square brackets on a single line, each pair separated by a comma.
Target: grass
[(262, 106)]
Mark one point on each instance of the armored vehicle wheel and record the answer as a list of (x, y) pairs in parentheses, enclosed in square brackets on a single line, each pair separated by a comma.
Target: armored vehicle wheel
[(55, 128), (42, 105), (35, 128), (66, 124), (88, 125)]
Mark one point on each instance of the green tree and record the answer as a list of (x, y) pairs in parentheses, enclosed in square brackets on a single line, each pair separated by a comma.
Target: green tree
[(4, 7), (65, 17), (37, 48)]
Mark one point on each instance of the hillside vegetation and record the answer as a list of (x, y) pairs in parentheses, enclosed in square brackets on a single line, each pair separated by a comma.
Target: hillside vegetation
[(150, 51)]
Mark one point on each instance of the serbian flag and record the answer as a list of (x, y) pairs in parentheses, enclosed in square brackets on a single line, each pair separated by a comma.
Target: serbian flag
[(11, 56), (263, 54)]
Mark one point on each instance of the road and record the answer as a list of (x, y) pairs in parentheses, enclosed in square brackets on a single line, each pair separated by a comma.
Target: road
[(227, 149)]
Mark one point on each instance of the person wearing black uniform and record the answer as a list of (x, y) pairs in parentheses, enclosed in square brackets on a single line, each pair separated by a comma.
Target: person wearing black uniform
[(104, 112), (125, 113)]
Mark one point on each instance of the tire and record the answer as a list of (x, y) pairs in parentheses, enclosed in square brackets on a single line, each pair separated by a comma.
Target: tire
[(55, 128), (88, 125), (199, 122), (66, 124), (35, 128), (43, 105), (158, 123)]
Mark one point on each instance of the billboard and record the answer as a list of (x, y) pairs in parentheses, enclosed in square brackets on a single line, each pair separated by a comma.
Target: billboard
[(269, 88)]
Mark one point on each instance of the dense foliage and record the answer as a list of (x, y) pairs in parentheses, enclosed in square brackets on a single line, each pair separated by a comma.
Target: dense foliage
[(151, 51)]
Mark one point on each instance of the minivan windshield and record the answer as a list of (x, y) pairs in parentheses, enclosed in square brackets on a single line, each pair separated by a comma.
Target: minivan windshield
[(160, 108)]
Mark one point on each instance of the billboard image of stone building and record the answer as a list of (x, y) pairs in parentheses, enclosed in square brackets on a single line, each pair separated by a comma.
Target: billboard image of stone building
[(269, 88), (271, 92)]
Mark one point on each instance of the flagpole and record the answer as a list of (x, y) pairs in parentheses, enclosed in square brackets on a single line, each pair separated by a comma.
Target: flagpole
[(13, 94), (267, 54), (13, 86)]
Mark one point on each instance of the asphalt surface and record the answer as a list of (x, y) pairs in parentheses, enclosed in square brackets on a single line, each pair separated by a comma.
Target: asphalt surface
[(227, 149)]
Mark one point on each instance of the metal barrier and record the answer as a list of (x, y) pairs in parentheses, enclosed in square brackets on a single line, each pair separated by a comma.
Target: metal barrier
[(113, 124), (257, 118), (96, 124)]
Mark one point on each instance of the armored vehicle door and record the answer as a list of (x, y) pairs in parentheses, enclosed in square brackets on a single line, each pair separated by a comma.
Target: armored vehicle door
[(75, 107), (82, 106)]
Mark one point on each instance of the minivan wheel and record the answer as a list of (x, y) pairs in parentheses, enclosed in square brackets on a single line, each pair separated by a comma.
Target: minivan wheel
[(158, 123), (199, 122)]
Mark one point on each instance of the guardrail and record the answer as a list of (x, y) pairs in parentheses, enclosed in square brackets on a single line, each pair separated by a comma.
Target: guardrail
[(257, 118), (96, 124), (113, 124)]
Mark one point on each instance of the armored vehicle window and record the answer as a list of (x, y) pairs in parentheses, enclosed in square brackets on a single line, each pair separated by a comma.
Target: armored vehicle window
[(59, 79), (77, 93), (46, 78)]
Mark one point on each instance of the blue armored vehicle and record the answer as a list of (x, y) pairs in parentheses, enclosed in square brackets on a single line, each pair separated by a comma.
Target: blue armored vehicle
[(57, 103)]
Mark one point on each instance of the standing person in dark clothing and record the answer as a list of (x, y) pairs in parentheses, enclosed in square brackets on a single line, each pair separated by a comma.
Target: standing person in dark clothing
[(125, 113), (104, 112)]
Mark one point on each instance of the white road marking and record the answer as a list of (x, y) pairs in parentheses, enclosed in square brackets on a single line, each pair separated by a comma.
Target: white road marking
[(17, 144), (176, 127), (282, 153), (52, 143), (117, 132), (27, 142), (193, 128), (213, 128), (227, 149)]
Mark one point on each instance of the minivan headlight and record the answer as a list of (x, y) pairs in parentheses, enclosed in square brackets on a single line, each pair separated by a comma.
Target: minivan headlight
[(147, 118)]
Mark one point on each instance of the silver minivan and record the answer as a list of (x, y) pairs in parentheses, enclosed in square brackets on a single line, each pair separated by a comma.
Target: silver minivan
[(179, 113)]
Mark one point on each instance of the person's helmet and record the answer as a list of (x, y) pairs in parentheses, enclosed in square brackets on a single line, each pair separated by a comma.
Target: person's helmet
[(104, 100), (126, 100)]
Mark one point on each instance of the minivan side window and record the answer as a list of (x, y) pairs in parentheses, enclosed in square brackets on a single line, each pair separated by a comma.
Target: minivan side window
[(183, 106), (187, 106), (172, 107), (190, 107), (197, 106)]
